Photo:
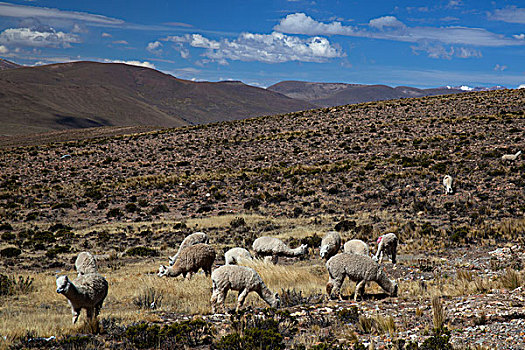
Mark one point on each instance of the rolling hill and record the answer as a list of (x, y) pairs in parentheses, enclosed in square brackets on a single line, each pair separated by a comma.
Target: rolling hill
[(4, 65), (336, 94), (89, 94)]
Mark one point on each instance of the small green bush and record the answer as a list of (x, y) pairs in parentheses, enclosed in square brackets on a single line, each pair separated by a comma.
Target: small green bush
[(114, 213), (5, 226), (8, 236), (142, 251), (10, 285), (10, 252)]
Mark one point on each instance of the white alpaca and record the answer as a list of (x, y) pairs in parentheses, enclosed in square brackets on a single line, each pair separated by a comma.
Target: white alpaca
[(510, 157), (358, 268), (387, 244), (448, 183), (236, 255), (357, 246), (330, 245), (194, 238), (85, 292), (240, 278), (271, 247)]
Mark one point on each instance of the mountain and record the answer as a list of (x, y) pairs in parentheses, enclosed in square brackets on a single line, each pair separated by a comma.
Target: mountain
[(5, 64), (90, 94), (336, 94)]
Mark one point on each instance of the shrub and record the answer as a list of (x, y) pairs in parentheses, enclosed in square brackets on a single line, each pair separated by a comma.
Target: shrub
[(149, 298), (345, 225), (93, 193), (59, 249), (142, 251), (252, 203), (185, 334), (10, 285), (62, 205), (312, 241), (8, 236), (350, 315), (10, 252), (59, 226), (131, 207), (5, 226), (159, 208), (113, 213), (237, 222)]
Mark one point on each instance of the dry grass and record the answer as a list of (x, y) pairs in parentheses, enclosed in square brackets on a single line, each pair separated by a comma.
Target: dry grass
[(45, 313)]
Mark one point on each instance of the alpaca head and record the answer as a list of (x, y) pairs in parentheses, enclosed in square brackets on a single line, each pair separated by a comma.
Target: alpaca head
[(395, 289), (329, 287), (303, 248), (163, 271), (62, 284), (276, 301), (323, 251)]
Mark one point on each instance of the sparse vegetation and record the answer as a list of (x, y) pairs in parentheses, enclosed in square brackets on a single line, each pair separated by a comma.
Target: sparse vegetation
[(379, 171)]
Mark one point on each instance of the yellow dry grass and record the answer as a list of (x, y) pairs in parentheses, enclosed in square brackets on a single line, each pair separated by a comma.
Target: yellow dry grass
[(45, 313)]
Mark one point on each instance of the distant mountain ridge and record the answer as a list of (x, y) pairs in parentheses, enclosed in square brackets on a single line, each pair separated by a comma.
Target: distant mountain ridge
[(5, 64), (335, 94), (90, 94)]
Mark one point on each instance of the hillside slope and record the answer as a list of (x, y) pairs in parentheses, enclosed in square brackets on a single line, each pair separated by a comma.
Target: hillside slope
[(89, 94), (336, 94)]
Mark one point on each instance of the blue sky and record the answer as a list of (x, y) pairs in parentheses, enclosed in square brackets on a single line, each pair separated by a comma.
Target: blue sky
[(415, 43)]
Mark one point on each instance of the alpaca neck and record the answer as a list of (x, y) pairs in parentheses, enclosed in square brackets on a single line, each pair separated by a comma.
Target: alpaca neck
[(72, 292), (296, 251), (174, 271)]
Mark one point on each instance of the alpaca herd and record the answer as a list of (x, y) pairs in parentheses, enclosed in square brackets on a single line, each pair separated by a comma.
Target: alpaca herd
[(89, 289)]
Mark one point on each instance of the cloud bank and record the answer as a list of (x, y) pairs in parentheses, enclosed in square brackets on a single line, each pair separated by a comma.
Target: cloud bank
[(390, 28), (269, 48)]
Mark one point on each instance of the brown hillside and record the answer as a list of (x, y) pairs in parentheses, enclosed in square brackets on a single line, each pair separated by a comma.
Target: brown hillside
[(336, 94), (89, 94), (5, 64)]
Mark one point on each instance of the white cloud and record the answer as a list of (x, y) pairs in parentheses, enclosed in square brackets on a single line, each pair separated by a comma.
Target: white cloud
[(107, 35), (437, 50), (522, 86), (509, 15), (519, 36), (77, 28), (500, 68), (386, 22), (299, 23), (35, 38), (3, 50), (133, 63), (155, 47), (269, 48), (21, 11), (120, 42)]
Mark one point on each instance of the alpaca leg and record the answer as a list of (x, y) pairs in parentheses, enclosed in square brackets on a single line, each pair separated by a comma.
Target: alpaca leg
[(76, 313), (337, 284), (213, 301), (90, 312), (359, 289), (380, 260), (241, 299), (97, 308), (221, 296)]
